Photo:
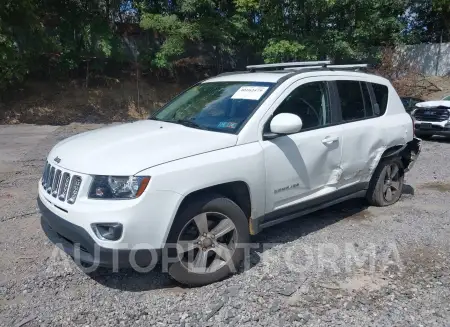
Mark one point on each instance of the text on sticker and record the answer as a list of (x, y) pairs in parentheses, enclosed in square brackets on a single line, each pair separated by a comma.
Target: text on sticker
[(250, 92)]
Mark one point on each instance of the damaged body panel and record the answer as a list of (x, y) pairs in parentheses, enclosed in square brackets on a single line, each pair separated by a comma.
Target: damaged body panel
[(410, 153), (351, 126)]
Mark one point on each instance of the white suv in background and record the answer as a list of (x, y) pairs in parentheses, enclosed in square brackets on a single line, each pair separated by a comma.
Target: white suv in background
[(432, 118), (230, 156)]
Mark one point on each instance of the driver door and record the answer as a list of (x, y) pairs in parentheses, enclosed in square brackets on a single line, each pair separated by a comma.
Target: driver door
[(305, 165)]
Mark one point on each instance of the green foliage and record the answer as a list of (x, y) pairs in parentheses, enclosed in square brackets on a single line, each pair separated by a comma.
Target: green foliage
[(12, 68), (174, 32), (279, 51), (55, 38), (244, 6)]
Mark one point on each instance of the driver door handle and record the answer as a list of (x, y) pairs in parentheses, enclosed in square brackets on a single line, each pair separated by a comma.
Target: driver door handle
[(330, 140)]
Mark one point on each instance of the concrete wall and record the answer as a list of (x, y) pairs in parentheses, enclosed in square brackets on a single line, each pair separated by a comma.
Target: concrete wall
[(429, 59)]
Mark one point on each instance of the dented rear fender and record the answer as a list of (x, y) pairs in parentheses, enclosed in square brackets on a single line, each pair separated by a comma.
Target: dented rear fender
[(410, 153)]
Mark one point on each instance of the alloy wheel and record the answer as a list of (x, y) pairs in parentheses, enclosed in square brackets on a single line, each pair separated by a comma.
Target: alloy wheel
[(207, 242), (392, 183)]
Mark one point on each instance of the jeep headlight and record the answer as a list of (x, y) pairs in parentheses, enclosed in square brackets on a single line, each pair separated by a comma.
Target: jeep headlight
[(118, 187)]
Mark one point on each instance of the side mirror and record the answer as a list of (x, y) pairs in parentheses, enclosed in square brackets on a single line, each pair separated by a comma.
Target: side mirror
[(286, 124)]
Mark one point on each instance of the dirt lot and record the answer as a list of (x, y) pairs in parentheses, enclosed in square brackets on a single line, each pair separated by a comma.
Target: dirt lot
[(309, 272)]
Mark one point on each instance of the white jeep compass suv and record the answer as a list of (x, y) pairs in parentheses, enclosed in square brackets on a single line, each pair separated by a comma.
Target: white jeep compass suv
[(230, 156)]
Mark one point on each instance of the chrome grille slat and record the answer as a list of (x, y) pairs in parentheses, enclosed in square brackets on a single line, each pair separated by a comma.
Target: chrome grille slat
[(56, 181), (44, 176), (47, 178), (64, 188), (74, 189), (61, 184), (50, 180)]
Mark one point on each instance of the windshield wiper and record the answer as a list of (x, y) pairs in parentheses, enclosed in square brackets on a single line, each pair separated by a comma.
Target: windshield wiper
[(184, 122), (189, 123)]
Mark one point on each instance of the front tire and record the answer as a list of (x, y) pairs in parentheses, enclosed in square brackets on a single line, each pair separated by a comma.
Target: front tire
[(209, 233), (386, 185)]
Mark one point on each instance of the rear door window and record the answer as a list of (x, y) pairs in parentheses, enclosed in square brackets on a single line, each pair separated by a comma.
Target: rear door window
[(355, 100), (381, 96)]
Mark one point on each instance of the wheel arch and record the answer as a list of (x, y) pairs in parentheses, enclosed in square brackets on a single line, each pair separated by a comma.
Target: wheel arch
[(237, 191), (407, 153), (393, 151)]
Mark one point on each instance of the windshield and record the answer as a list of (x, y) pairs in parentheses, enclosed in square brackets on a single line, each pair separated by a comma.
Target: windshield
[(219, 106)]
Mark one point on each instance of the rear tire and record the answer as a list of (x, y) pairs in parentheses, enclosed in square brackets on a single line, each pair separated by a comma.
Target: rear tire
[(386, 185), (209, 233)]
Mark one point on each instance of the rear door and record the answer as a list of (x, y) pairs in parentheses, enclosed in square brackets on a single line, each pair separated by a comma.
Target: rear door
[(360, 121)]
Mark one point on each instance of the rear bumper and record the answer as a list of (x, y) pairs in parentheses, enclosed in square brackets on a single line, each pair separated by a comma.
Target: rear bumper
[(77, 243), (433, 128)]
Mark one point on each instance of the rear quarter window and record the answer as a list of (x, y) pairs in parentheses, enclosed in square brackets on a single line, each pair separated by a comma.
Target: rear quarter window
[(381, 93)]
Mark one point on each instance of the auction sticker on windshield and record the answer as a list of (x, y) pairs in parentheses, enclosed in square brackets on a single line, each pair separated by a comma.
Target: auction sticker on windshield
[(226, 124), (250, 92)]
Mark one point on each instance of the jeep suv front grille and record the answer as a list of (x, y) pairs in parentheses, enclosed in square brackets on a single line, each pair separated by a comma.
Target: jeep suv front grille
[(61, 184), (434, 115)]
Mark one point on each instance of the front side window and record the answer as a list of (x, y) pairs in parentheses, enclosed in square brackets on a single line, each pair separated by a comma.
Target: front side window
[(311, 103), (216, 106)]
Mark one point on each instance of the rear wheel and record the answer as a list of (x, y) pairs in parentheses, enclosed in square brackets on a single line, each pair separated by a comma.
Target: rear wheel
[(386, 186), (208, 234)]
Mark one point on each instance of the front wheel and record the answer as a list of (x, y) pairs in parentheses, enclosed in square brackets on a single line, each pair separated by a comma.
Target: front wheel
[(386, 186), (209, 235)]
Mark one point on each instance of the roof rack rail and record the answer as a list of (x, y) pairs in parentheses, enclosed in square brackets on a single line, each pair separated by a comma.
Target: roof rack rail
[(339, 67), (288, 65), (306, 65), (351, 66)]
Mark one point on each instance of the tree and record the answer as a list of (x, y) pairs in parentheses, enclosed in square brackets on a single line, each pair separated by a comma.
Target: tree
[(427, 21), (55, 37)]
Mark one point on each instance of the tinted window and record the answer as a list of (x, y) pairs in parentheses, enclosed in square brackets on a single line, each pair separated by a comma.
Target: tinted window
[(381, 96), (355, 100), (367, 102), (311, 103), (220, 106)]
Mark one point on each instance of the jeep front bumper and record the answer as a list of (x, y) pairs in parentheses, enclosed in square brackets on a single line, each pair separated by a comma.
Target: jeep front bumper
[(78, 244)]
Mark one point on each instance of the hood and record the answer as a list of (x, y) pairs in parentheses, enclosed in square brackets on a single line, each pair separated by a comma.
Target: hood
[(129, 148), (434, 104)]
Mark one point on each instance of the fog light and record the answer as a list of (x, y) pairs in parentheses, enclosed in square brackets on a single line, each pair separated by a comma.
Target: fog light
[(108, 231)]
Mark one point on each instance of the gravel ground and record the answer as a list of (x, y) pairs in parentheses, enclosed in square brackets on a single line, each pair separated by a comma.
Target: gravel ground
[(307, 272)]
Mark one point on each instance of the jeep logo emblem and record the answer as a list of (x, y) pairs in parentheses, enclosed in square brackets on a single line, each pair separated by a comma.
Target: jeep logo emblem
[(57, 159)]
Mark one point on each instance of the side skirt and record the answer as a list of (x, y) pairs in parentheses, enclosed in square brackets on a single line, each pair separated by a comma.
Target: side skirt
[(304, 208)]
